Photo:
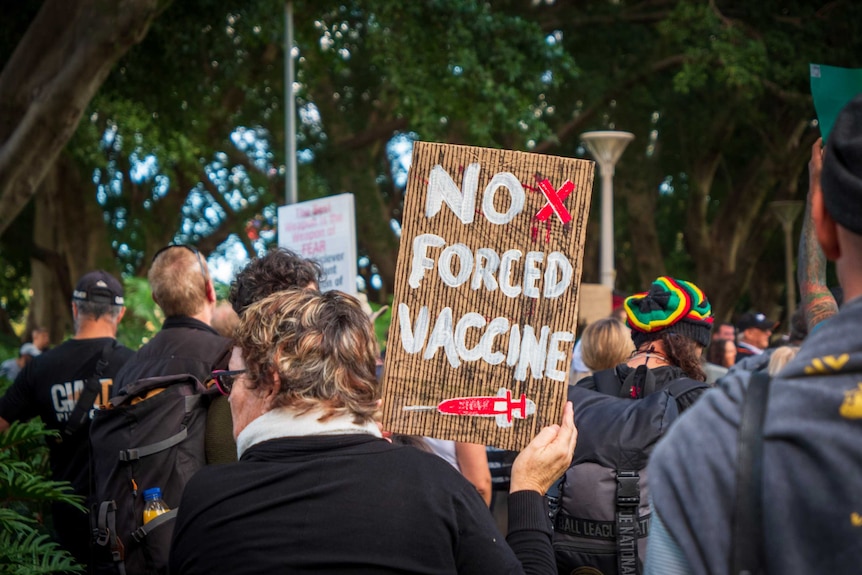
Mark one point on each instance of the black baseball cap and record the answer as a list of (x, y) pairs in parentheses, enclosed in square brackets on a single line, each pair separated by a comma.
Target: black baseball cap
[(99, 287), (755, 319)]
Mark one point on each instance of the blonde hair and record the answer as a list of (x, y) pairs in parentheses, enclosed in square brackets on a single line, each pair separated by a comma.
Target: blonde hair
[(322, 346), (606, 343), (178, 278), (224, 319), (781, 357)]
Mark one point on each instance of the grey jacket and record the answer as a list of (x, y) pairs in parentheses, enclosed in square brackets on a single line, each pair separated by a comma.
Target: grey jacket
[(812, 463)]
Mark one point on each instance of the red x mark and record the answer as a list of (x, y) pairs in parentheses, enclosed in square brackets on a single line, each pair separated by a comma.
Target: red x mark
[(555, 201)]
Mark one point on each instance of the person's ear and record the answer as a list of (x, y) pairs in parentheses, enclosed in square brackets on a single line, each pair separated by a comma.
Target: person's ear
[(121, 314), (272, 390), (211, 294), (825, 227)]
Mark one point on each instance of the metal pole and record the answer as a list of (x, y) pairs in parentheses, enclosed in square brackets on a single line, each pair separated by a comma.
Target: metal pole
[(290, 181), (607, 272), (607, 147)]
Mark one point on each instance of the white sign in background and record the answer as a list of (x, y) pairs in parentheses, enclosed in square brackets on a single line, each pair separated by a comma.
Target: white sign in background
[(323, 230)]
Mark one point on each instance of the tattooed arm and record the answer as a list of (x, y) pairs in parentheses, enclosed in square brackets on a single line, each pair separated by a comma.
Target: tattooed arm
[(817, 301)]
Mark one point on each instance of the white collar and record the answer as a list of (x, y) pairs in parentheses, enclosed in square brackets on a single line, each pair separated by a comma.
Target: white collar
[(284, 422)]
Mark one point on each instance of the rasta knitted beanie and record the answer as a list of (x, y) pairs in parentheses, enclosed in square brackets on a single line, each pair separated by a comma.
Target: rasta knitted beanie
[(672, 305)]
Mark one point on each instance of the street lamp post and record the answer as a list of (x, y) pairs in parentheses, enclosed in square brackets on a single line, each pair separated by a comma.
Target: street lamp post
[(786, 212), (291, 194), (607, 147)]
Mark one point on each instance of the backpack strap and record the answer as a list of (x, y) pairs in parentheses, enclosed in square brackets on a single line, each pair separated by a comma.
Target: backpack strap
[(607, 382), (92, 388), (628, 500), (106, 534), (141, 532), (747, 524), (136, 453), (679, 387)]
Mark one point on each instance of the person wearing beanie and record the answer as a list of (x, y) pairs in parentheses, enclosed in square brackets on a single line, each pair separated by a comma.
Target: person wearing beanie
[(602, 521), (809, 518), (670, 326)]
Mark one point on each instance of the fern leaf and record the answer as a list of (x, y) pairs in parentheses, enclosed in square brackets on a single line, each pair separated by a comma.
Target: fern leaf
[(35, 553), (17, 483)]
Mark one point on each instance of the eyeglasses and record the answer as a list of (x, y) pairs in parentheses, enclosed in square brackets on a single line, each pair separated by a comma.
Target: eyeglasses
[(191, 249), (225, 379)]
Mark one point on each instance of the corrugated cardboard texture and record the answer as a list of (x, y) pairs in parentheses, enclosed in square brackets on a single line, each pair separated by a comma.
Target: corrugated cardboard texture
[(422, 384)]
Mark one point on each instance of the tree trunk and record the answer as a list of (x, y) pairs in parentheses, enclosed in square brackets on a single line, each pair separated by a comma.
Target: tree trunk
[(70, 238), (372, 216), (56, 69), (636, 191)]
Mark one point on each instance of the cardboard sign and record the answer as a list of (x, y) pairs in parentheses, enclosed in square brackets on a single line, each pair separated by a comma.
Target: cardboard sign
[(323, 230), (486, 294)]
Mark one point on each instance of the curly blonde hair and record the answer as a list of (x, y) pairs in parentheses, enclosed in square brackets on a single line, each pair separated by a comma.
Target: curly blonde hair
[(322, 346)]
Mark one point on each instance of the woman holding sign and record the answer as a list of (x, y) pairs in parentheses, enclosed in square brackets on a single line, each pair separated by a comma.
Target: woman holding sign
[(317, 489)]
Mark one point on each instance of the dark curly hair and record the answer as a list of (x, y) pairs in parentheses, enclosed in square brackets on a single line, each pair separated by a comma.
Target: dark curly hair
[(681, 351), (278, 270)]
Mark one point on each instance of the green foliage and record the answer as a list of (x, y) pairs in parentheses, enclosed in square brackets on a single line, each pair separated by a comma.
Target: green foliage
[(25, 493), (29, 552), (451, 67), (15, 265), (723, 78), (143, 317), (381, 324)]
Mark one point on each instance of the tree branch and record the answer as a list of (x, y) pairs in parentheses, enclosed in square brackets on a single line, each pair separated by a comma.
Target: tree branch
[(576, 124), (55, 71)]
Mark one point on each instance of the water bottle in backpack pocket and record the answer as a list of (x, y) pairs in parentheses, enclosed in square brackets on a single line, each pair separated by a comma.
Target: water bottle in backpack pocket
[(151, 436)]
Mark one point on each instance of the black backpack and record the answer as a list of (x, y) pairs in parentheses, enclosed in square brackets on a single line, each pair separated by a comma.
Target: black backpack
[(602, 511), (151, 436)]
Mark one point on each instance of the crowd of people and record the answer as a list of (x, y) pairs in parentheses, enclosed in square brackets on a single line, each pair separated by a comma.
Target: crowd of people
[(699, 447)]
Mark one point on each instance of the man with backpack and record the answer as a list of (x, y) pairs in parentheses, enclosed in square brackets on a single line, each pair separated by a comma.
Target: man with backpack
[(163, 426), (187, 343), (766, 477), (61, 387), (603, 519), (154, 432)]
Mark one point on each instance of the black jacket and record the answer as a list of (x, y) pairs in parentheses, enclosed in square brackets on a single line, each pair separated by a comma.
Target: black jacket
[(350, 504), (184, 345)]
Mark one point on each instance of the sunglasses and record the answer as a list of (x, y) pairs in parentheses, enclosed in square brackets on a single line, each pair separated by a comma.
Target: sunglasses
[(191, 249), (225, 379)]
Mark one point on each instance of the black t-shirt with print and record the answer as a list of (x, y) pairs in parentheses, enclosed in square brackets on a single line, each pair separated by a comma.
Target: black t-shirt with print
[(48, 388)]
